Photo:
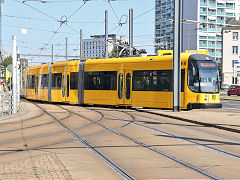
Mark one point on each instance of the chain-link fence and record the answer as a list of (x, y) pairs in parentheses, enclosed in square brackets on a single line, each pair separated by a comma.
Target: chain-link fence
[(5, 103)]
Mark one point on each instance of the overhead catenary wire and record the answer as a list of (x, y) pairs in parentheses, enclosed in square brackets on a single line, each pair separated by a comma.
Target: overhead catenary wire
[(37, 10), (113, 11), (50, 20), (36, 29), (118, 28), (76, 10)]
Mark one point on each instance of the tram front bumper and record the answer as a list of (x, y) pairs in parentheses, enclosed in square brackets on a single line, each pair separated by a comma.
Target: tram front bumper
[(204, 105)]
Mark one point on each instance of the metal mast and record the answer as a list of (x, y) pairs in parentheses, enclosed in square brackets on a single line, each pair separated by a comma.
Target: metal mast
[(177, 56), (80, 46), (1, 1), (14, 77), (131, 31), (106, 34), (66, 49)]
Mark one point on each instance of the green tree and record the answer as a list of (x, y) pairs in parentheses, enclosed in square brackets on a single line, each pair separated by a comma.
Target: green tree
[(6, 61), (113, 54), (125, 52)]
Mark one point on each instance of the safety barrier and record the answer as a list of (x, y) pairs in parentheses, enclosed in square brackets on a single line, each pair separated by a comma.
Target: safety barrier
[(5, 103)]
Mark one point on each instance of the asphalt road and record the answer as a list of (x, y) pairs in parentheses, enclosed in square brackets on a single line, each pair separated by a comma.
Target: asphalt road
[(231, 104)]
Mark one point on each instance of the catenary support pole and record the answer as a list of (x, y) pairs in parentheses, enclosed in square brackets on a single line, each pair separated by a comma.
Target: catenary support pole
[(66, 49), (52, 55), (177, 56), (80, 46), (14, 77), (131, 31), (106, 34), (18, 76)]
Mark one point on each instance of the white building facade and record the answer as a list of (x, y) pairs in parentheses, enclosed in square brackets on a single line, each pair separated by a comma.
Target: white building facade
[(230, 58), (195, 36), (95, 46)]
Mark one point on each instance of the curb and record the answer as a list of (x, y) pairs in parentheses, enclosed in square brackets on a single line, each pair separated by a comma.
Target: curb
[(229, 99), (192, 121), (22, 111)]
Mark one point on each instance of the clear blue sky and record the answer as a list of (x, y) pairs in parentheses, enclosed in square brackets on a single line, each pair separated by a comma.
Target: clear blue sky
[(90, 18)]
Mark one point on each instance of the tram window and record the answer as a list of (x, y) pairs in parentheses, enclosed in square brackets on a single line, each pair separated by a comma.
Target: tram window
[(156, 80), (104, 80), (43, 78), (109, 80), (31, 81), (57, 81), (128, 85), (73, 80), (182, 79), (120, 86), (161, 80), (67, 85), (193, 78), (141, 81)]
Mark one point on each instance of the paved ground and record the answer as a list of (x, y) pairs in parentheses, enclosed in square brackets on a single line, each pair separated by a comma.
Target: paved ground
[(231, 104), (47, 141)]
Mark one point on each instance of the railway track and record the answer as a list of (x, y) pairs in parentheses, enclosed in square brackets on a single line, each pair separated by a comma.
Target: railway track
[(236, 143), (192, 141), (153, 149), (112, 164), (129, 119), (230, 129)]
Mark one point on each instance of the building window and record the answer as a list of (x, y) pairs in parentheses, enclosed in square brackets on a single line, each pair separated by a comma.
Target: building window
[(234, 62), (203, 9), (211, 26), (219, 17), (235, 35), (235, 49), (211, 42), (234, 80)]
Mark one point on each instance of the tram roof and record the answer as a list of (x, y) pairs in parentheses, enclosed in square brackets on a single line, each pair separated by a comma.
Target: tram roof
[(184, 56)]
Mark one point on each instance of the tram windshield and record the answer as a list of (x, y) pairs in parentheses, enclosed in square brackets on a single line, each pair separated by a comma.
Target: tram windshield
[(203, 76)]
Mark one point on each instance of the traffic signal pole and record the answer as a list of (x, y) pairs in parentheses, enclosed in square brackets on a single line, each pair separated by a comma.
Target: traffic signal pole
[(177, 55)]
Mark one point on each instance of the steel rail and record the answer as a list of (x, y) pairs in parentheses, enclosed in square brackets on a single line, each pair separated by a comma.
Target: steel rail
[(182, 138), (155, 150), (194, 129), (192, 121), (102, 156)]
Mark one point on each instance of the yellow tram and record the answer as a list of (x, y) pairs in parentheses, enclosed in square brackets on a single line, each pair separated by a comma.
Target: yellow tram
[(131, 81)]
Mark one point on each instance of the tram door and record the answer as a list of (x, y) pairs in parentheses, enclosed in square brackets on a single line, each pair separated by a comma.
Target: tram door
[(124, 87), (36, 83), (65, 85)]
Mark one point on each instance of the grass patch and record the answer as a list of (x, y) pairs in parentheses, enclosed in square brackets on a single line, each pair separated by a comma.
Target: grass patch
[(223, 91)]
